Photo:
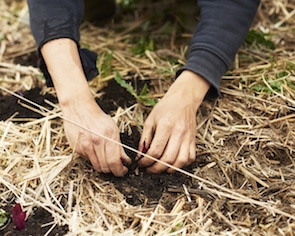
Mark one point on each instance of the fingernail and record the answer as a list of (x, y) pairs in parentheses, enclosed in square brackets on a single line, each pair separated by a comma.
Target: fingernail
[(144, 149)]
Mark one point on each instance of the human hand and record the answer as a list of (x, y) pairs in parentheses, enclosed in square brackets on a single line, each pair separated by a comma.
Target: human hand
[(169, 131), (104, 155), (78, 105)]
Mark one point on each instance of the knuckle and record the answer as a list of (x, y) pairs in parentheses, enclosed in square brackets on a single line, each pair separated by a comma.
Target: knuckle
[(180, 128), (148, 124), (169, 161), (182, 162), (112, 162), (155, 152), (109, 131), (166, 122), (96, 140), (85, 143)]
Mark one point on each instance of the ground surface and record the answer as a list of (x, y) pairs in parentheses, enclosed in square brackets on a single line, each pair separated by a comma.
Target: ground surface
[(139, 188), (242, 182)]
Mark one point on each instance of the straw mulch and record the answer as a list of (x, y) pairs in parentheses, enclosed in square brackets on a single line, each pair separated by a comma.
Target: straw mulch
[(245, 139)]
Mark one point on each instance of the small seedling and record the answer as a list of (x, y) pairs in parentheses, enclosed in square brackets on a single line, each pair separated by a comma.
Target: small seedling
[(143, 97), (257, 37), (277, 84), (143, 45), (106, 59), (3, 217)]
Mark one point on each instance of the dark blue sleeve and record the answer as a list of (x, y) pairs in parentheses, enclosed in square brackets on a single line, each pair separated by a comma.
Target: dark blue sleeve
[(53, 19), (222, 28)]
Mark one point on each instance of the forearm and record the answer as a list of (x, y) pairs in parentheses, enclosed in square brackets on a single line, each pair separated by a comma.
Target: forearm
[(220, 32), (64, 65), (55, 19)]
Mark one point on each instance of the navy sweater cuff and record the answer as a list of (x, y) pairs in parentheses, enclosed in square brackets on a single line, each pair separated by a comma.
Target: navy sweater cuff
[(209, 66)]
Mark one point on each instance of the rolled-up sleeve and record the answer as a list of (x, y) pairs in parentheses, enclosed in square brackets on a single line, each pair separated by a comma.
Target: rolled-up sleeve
[(54, 19), (222, 28)]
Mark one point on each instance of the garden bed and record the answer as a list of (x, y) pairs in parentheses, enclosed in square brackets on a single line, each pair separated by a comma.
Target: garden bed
[(242, 182)]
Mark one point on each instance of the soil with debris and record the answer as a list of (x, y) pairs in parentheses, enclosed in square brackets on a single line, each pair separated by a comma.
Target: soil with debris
[(138, 187), (243, 178), (38, 224)]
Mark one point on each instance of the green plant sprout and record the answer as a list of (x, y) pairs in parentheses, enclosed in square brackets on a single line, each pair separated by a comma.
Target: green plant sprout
[(106, 63), (257, 37), (3, 217), (176, 228), (142, 45), (275, 84), (143, 97)]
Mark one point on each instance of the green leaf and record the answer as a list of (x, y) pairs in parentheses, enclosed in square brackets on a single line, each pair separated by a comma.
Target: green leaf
[(144, 91), (143, 44), (125, 85), (144, 97), (3, 217), (259, 38)]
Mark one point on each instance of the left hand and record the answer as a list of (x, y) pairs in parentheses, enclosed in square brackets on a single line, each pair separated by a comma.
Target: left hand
[(169, 131)]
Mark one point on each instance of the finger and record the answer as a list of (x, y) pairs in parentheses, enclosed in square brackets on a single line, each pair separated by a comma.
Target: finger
[(192, 152), (182, 158), (77, 142), (114, 160), (145, 140), (170, 155), (157, 147), (125, 158), (186, 156), (100, 154), (87, 151)]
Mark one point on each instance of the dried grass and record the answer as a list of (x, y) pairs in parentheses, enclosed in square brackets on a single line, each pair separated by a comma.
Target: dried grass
[(246, 139)]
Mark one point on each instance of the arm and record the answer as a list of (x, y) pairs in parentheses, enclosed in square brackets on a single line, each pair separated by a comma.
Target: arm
[(55, 19), (60, 51), (169, 131), (223, 26)]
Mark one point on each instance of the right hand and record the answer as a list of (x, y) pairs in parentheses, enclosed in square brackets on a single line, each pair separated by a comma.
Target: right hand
[(104, 155)]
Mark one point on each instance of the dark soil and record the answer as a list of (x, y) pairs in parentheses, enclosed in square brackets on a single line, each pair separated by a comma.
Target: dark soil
[(34, 225), (10, 105), (139, 187)]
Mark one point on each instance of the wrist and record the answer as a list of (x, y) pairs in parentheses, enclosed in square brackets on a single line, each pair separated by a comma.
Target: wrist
[(65, 68), (80, 105), (190, 86)]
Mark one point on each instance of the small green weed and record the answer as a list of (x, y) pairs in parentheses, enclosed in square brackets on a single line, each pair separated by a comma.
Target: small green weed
[(2, 37), (290, 65), (177, 227), (259, 38), (143, 44), (143, 97), (106, 60), (277, 84), (3, 217)]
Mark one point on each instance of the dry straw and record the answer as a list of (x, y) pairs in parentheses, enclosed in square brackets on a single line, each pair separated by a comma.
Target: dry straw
[(245, 140)]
